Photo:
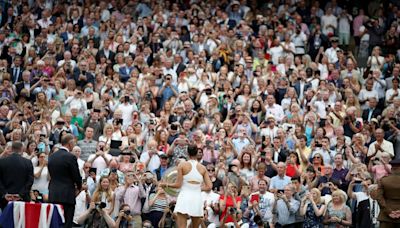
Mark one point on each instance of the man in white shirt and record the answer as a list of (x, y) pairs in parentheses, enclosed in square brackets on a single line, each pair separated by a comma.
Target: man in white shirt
[(380, 145), (211, 200), (331, 52), (366, 93), (151, 157), (100, 159), (299, 40), (45, 21), (263, 201), (328, 22), (127, 109), (274, 109), (241, 141)]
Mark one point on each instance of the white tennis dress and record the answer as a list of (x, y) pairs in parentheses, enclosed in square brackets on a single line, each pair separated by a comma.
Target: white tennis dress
[(189, 200)]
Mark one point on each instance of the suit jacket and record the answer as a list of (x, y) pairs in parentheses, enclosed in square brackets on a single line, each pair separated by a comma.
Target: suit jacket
[(100, 53), (96, 40), (20, 85), (375, 113), (15, 78), (124, 74), (297, 87), (89, 77), (388, 196), (64, 172), (16, 176), (181, 67)]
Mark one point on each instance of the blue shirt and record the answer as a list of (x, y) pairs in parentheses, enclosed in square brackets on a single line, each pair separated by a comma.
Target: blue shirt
[(167, 93), (279, 183)]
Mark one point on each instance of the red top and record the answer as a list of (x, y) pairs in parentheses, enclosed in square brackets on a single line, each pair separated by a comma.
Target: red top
[(290, 170), (229, 204)]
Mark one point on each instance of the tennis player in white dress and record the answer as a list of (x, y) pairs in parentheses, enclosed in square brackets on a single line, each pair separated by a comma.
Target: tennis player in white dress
[(192, 178)]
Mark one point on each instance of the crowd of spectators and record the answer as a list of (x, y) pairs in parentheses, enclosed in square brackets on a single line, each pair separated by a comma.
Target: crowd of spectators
[(294, 105)]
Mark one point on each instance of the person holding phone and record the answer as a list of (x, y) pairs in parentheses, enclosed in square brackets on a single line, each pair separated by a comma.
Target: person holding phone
[(363, 213), (312, 208), (261, 203), (229, 202)]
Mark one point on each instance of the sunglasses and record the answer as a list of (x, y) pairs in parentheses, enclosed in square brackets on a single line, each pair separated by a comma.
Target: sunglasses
[(317, 157), (211, 170)]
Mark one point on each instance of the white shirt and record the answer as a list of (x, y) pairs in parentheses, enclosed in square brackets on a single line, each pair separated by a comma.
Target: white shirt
[(275, 110), (328, 20), (211, 198), (331, 53), (127, 110), (154, 162), (299, 41), (390, 92), (80, 206), (364, 95), (42, 183), (386, 146), (276, 53), (240, 144), (266, 204), (99, 163)]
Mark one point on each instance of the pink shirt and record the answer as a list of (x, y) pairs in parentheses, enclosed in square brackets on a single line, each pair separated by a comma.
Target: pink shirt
[(357, 22), (380, 171), (131, 196)]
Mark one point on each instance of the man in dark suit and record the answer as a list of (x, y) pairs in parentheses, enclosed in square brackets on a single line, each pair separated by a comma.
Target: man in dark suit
[(301, 85), (371, 111), (105, 51), (65, 178), (25, 83), (16, 70), (16, 176), (125, 71), (91, 36), (81, 74), (179, 67)]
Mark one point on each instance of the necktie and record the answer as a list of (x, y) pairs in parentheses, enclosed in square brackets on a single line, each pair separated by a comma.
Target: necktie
[(370, 114)]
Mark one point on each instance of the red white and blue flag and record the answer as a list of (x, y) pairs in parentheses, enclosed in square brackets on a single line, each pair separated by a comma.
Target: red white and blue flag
[(32, 215)]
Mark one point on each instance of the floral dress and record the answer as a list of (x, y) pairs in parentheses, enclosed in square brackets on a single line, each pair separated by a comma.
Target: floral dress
[(341, 214), (311, 219)]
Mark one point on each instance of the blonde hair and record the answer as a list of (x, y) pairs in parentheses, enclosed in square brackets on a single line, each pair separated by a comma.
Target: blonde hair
[(106, 126), (341, 194), (318, 192), (99, 191)]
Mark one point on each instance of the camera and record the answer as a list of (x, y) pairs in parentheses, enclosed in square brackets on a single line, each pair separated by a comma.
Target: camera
[(208, 92), (101, 205), (148, 95), (318, 145), (127, 98), (232, 210), (127, 212)]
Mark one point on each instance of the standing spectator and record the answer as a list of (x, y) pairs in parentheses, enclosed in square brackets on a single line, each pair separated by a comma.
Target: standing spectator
[(131, 193), (328, 23), (338, 214), (65, 178), (286, 207), (88, 145), (312, 208), (41, 174), (278, 182), (16, 186), (380, 146)]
